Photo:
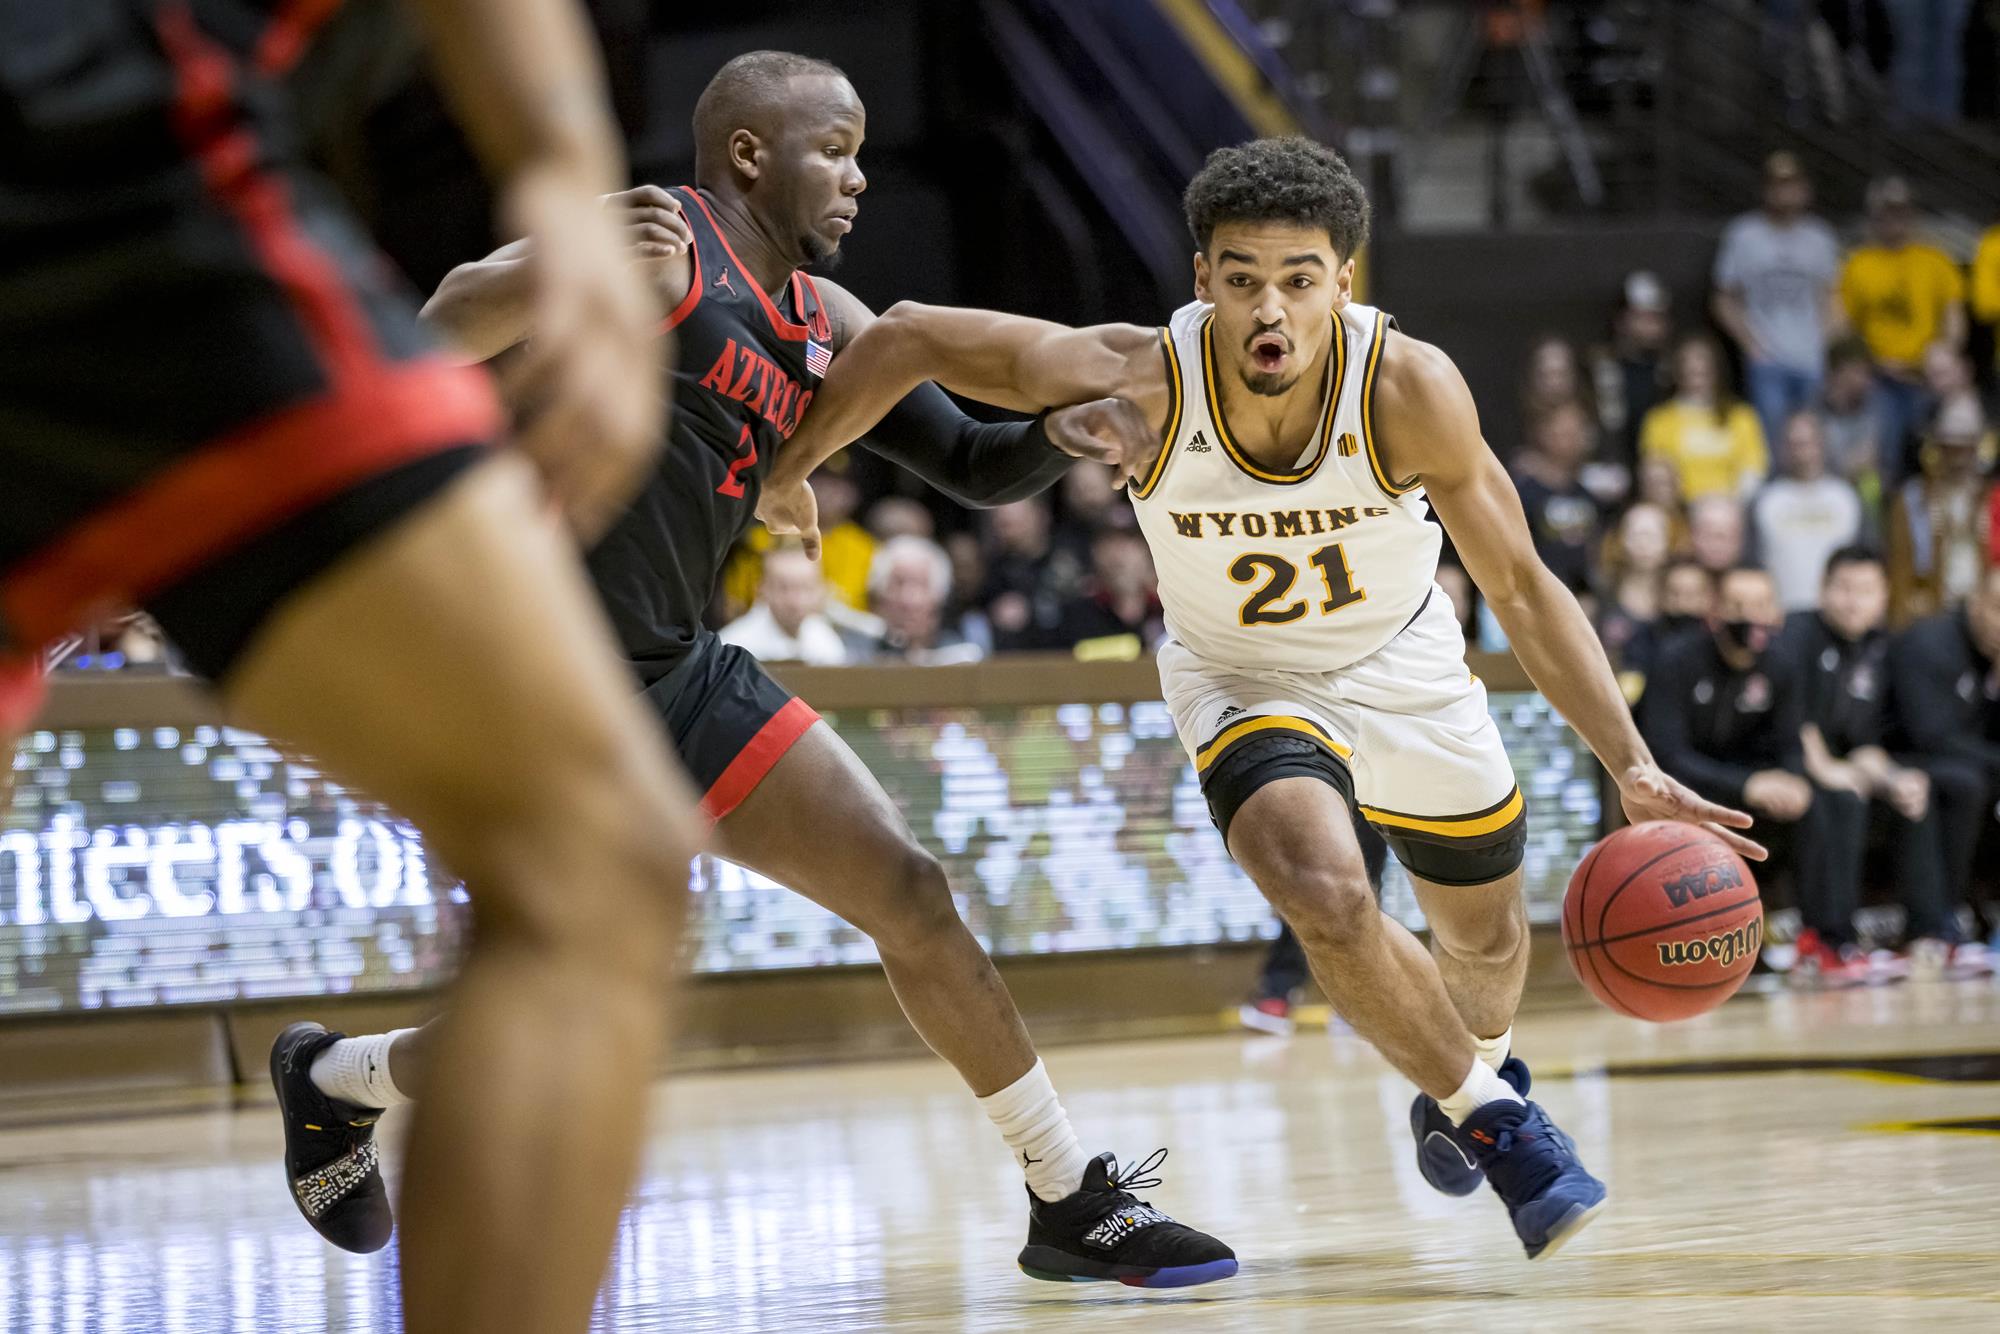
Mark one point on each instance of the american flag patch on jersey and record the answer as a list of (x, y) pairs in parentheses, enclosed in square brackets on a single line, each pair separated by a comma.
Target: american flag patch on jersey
[(818, 357)]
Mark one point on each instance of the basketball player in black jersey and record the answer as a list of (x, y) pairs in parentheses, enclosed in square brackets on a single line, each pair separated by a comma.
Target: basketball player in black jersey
[(216, 403), (777, 138)]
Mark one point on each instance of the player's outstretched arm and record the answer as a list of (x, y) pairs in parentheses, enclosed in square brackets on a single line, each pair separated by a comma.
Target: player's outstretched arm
[(1428, 426), (1010, 361)]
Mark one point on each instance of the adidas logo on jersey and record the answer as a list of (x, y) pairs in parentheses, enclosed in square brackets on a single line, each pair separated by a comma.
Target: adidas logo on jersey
[(1198, 445)]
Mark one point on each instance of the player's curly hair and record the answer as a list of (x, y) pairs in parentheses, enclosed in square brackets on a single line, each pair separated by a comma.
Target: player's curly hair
[(1292, 179)]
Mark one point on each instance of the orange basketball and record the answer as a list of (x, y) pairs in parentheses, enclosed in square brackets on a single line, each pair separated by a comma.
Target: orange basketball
[(1662, 921)]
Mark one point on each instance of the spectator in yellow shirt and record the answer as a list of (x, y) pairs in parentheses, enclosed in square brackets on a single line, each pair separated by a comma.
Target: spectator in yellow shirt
[(1712, 439), (1901, 296), (1986, 284)]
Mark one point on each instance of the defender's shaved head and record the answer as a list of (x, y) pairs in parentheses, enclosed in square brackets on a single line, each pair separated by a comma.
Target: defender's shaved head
[(752, 92)]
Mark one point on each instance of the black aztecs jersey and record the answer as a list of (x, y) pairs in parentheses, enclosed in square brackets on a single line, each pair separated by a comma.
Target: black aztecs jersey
[(747, 370)]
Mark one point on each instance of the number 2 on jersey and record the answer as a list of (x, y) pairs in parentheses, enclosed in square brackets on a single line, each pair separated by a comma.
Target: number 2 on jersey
[(732, 485), (1281, 574)]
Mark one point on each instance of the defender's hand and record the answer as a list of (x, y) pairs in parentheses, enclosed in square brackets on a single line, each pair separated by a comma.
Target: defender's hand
[(1107, 430), (651, 220), (591, 377), (1647, 793), (791, 511)]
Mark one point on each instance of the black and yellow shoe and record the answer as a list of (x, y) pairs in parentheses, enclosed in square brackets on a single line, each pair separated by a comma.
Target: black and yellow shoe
[(330, 1152), (1104, 1234)]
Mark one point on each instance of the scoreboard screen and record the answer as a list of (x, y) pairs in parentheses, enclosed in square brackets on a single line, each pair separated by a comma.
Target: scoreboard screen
[(154, 865)]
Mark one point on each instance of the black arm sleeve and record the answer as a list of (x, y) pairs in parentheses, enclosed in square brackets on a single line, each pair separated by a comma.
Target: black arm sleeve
[(1669, 728), (976, 463)]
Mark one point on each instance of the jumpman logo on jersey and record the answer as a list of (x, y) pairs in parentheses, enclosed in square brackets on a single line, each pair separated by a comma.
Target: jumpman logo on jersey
[(722, 281)]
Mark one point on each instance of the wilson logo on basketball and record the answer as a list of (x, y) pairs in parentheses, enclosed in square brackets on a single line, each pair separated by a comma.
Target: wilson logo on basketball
[(1724, 949), (1700, 884)]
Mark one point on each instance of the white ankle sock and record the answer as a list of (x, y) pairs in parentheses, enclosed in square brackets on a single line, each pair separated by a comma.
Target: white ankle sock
[(1494, 1051), (1037, 1129), (356, 1070), (1481, 1086)]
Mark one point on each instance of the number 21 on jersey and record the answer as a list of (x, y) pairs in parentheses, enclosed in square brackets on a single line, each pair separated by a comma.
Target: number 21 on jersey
[(1279, 574)]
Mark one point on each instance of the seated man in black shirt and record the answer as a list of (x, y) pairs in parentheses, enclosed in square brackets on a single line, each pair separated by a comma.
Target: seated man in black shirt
[(1840, 656), (1725, 715), (1945, 672)]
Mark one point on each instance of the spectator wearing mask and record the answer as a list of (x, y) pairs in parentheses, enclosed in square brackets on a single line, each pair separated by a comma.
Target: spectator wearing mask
[(1945, 670), (1687, 604), (1938, 524), (908, 588), (1839, 653), (1722, 715), (1121, 597), (1804, 515), (1777, 294), (1563, 517), (789, 623), (1717, 534), (1630, 373), (1901, 296), (1713, 441)]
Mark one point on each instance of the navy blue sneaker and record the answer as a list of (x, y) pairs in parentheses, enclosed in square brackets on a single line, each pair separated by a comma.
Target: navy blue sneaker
[(1534, 1170), (1445, 1162), (1103, 1233)]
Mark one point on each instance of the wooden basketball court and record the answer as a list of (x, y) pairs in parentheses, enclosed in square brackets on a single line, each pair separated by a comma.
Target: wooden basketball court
[(1794, 1161)]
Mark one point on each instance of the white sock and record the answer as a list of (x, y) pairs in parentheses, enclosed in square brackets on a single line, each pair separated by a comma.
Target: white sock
[(1037, 1129), (1481, 1086), (1494, 1051), (356, 1070)]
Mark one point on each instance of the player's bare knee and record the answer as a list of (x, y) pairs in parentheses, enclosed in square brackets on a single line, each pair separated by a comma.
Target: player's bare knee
[(916, 907), (1329, 905), (601, 874), (1492, 937)]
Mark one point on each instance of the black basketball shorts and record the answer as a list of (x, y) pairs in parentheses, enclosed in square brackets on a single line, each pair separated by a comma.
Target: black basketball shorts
[(211, 386), (730, 723)]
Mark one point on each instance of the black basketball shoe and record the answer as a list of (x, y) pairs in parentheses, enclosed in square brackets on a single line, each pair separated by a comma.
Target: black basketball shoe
[(330, 1154), (1104, 1234)]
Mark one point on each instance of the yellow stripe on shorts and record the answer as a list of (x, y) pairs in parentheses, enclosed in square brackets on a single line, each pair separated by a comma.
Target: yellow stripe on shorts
[(1476, 825), (1211, 752)]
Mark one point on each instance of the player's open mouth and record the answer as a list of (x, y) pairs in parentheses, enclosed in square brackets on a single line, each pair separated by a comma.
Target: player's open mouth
[(1268, 351)]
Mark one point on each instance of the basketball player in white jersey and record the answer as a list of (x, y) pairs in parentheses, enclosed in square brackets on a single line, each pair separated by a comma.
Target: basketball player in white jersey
[(1312, 662)]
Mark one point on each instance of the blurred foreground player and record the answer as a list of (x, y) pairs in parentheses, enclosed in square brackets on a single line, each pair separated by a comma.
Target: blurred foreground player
[(1312, 665), (777, 138), (216, 404)]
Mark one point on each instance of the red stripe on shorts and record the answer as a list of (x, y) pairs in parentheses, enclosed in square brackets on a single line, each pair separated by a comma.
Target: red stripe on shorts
[(755, 761), (240, 487), (375, 414)]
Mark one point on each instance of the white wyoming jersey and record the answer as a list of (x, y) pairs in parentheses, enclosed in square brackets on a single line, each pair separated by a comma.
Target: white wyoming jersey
[(1308, 568)]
